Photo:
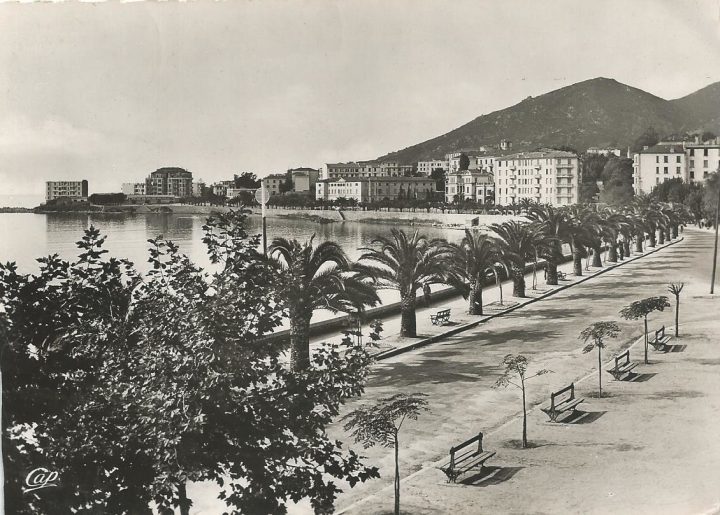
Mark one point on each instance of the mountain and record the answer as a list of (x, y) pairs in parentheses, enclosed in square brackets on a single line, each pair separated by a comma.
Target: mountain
[(596, 112)]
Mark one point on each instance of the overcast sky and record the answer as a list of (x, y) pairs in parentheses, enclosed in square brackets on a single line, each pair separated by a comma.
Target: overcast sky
[(110, 92)]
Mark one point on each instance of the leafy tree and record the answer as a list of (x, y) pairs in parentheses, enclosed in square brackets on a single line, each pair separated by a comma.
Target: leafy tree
[(463, 162), (519, 243), (381, 424), (593, 165), (589, 191), (313, 278), (129, 386), (708, 135), (641, 309), (107, 199), (516, 367), (473, 259), (617, 176), (287, 184), (676, 289), (438, 175), (246, 180), (648, 138), (406, 264), (593, 336)]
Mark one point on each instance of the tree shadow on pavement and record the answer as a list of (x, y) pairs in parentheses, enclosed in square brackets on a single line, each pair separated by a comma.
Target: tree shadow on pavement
[(639, 378), (430, 371), (491, 476), (675, 348)]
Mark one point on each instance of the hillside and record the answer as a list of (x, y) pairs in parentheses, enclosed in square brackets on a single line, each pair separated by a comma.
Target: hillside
[(596, 112)]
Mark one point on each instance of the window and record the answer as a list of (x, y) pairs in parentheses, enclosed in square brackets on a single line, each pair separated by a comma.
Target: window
[(692, 175), (677, 159), (677, 169), (665, 159), (657, 159), (665, 170), (657, 180), (692, 163), (705, 163), (657, 169), (705, 152)]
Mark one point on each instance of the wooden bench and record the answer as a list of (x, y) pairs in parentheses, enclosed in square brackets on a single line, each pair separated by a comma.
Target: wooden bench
[(566, 404), (465, 457), (621, 369), (442, 317), (660, 339)]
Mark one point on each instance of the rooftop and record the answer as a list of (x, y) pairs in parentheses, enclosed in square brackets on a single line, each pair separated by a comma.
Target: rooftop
[(537, 155), (664, 149)]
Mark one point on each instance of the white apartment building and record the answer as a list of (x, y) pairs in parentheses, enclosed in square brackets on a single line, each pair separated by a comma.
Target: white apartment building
[(427, 167), (371, 189), (689, 161), (133, 188), (657, 164), (73, 190), (605, 151), (548, 177)]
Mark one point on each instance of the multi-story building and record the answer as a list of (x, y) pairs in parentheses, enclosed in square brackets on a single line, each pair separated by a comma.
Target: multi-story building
[(365, 169), (702, 159), (657, 164), (470, 185), (71, 190), (220, 188), (169, 181), (373, 189), (133, 188), (272, 183), (689, 161), (198, 188), (547, 176), (427, 167), (605, 151), (304, 179)]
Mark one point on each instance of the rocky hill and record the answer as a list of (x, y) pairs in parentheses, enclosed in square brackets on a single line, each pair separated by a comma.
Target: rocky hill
[(596, 112)]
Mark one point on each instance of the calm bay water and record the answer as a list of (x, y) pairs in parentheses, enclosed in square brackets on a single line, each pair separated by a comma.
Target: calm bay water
[(27, 236)]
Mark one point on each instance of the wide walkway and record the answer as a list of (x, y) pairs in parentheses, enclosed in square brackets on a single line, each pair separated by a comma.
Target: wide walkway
[(458, 375)]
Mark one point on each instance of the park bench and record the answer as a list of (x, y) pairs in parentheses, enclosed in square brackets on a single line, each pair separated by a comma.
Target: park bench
[(465, 457), (567, 403), (621, 369), (442, 317), (660, 339)]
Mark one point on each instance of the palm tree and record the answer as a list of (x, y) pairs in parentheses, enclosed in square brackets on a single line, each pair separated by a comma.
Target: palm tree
[(614, 222), (594, 225), (577, 236), (519, 243), (555, 225), (406, 264), (474, 258), (315, 278)]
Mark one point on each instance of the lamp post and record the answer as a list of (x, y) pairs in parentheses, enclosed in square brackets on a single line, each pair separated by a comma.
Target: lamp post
[(717, 215)]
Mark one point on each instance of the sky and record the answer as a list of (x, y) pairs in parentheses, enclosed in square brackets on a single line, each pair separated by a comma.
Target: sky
[(110, 92)]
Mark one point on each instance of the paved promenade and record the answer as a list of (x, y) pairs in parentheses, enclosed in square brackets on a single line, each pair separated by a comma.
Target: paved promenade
[(458, 374)]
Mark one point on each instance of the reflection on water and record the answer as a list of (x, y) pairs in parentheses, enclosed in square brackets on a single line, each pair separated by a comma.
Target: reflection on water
[(27, 236)]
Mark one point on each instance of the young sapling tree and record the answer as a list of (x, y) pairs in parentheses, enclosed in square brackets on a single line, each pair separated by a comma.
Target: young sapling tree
[(641, 309), (381, 424), (675, 289), (593, 336), (515, 375)]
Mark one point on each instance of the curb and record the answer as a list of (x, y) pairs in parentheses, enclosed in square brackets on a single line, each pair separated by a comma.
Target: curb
[(435, 338)]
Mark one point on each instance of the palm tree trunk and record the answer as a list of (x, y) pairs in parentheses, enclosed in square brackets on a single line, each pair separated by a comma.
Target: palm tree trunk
[(661, 236), (668, 234), (577, 260), (612, 252), (639, 238), (674, 231), (299, 340), (524, 435), (552, 273), (597, 262), (475, 304), (518, 281), (626, 244), (408, 326), (677, 316), (646, 341), (653, 240)]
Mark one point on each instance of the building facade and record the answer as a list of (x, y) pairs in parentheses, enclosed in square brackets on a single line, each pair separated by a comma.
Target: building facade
[(548, 177), (470, 185), (304, 179), (72, 190), (133, 188), (272, 183), (426, 167), (169, 181), (374, 189), (365, 169), (689, 161)]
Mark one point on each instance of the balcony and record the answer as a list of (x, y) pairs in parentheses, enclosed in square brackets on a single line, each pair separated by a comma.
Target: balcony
[(513, 177), (538, 194)]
